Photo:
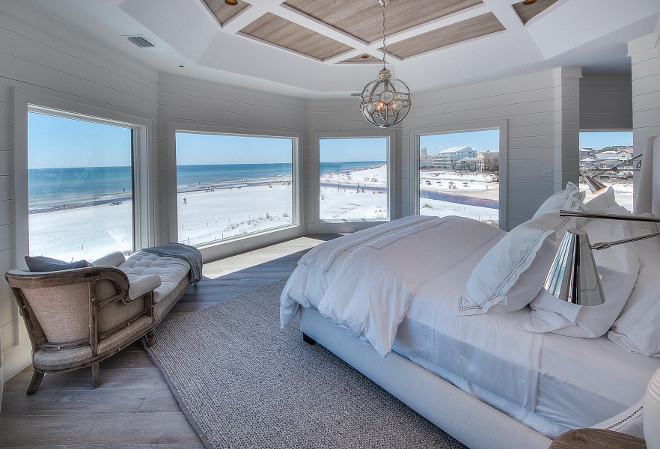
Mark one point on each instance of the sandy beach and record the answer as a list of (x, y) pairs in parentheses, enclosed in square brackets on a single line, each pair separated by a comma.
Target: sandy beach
[(212, 213)]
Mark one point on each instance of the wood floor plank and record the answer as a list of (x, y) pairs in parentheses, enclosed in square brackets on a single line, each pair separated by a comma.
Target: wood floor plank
[(133, 408), (90, 428)]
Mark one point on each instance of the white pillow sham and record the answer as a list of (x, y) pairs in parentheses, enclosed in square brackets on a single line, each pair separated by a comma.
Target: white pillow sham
[(558, 201), (511, 274), (618, 267), (636, 329)]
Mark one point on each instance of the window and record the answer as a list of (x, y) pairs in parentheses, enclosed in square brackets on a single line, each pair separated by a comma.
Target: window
[(459, 175), (230, 186), (600, 151), (80, 186), (353, 179)]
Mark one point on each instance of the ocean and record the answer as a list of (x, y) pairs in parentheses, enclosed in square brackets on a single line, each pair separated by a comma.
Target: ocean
[(58, 188)]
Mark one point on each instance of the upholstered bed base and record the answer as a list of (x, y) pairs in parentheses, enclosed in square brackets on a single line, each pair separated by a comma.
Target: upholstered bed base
[(472, 422)]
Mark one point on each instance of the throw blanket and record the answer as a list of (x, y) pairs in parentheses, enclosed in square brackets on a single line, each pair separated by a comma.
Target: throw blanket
[(373, 288), (188, 253)]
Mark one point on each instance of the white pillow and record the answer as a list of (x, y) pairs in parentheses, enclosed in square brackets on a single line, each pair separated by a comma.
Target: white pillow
[(618, 267), (604, 200), (557, 201), (637, 328), (511, 274)]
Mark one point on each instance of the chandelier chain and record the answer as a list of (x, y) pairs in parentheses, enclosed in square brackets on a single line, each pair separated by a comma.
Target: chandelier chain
[(384, 57)]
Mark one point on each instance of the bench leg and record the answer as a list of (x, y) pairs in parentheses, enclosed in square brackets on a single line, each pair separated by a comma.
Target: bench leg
[(37, 377), (96, 375), (309, 340), (151, 337)]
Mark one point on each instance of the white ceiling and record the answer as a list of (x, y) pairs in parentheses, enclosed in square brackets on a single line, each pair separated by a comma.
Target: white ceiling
[(588, 33)]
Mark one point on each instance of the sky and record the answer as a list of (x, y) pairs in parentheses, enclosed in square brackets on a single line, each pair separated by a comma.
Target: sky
[(57, 142), (353, 150), (488, 140), (218, 149), (599, 140)]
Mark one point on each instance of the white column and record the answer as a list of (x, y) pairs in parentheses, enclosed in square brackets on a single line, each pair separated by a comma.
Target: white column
[(567, 125)]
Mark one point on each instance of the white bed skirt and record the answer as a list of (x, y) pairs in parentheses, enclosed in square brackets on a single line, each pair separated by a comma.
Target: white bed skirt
[(472, 422)]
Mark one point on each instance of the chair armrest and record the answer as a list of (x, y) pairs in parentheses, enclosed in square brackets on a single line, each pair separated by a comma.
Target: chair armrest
[(110, 260), (142, 285)]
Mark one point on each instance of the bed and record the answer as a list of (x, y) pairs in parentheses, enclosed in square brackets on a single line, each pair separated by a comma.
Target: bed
[(410, 304)]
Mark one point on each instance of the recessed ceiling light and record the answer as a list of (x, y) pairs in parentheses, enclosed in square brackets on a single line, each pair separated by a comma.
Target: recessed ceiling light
[(180, 66), (231, 2)]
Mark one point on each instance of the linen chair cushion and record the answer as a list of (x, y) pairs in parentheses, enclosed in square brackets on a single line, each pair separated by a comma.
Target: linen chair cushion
[(170, 270), (63, 312)]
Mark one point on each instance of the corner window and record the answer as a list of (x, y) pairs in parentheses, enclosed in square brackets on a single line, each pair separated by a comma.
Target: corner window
[(80, 186), (608, 157), (353, 179), (459, 175), (230, 186)]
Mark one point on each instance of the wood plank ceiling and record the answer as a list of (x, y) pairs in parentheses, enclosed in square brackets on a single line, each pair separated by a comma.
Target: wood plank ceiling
[(223, 12), (362, 24), (527, 12)]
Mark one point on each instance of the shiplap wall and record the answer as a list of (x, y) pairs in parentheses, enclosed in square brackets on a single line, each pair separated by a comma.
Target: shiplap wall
[(342, 118), (540, 113), (195, 105), (645, 60), (533, 115), (605, 102), (34, 60)]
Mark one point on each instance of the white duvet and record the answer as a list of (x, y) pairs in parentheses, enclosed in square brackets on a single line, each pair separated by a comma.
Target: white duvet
[(366, 282)]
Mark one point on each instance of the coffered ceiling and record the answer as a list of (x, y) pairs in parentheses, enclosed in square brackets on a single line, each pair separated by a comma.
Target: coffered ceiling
[(330, 48)]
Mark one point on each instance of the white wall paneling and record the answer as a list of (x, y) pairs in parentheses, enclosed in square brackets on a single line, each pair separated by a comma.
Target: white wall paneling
[(37, 62), (605, 102), (527, 104), (205, 107), (645, 78)]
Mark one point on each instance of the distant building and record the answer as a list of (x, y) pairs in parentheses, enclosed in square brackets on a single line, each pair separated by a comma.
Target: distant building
[(449, 157), (586, 152), (425, 160), (469, 164), (490, 160)]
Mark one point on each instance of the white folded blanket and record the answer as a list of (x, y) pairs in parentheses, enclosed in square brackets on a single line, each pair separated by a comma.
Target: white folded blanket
[(372, 292)]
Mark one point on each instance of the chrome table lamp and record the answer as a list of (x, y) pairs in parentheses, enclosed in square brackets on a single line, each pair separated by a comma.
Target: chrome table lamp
[(573, 276)]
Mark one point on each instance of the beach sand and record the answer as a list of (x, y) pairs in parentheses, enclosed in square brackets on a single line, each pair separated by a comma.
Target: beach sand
[(213, 214)]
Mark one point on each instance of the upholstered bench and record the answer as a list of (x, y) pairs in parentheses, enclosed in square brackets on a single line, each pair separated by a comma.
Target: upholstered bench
[(77, 317)]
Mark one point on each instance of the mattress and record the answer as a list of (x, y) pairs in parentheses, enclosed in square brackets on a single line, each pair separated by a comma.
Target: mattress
[(549, 382), (565, 382)]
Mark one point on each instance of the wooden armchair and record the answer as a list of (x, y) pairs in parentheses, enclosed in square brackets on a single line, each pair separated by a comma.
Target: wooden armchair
[(76, 318)]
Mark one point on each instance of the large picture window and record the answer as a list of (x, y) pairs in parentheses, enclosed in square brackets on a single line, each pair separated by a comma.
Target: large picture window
[(230, 186), (80, 186), (607, 156), (354, 181), (459, 175)]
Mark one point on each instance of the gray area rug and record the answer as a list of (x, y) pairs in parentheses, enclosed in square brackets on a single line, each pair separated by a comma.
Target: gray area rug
[(245, 383)]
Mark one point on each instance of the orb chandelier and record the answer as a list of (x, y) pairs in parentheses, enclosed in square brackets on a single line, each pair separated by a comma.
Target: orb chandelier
[(386, 100)]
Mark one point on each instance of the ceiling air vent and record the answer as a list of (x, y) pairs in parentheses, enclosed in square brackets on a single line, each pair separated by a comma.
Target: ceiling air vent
[(140, 41)]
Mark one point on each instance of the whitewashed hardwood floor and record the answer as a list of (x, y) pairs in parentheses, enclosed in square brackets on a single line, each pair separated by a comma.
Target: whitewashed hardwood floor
[(133, 408)]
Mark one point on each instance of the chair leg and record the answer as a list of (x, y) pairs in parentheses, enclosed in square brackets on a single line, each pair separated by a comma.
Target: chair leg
[(96, 375), (151, 337), (37, 377)]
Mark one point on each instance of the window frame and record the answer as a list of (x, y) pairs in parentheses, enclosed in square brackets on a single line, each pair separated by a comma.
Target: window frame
[(27, 101), (473, 126), (352, 225), (216, 250)]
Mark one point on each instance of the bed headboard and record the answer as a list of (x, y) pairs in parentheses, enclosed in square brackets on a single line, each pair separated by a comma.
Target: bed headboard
[(647, 198)]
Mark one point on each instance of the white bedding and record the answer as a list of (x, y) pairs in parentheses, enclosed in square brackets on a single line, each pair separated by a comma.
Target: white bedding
[(549, 382)]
